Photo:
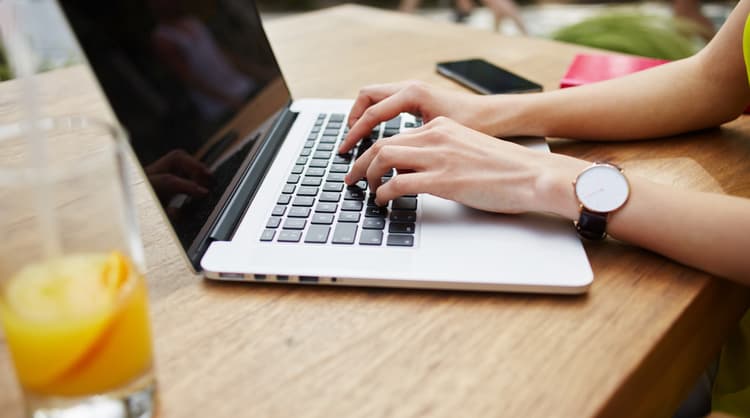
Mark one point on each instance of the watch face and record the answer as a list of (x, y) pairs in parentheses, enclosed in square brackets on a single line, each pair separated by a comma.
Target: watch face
[(602, 188)]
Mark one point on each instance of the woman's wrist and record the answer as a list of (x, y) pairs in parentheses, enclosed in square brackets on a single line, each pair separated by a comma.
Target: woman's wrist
[(506, 115), (553, 189)]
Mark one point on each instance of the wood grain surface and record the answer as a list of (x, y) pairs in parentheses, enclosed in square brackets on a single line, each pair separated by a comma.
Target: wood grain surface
[(632, 346)]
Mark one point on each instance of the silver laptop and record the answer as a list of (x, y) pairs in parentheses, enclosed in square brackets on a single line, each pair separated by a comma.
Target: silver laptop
[(249, 178)]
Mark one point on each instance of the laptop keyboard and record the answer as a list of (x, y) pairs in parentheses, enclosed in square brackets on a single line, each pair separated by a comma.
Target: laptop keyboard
[(316, 207)]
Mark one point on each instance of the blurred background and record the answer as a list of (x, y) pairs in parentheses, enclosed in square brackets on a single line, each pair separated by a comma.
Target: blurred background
[(670, 29)]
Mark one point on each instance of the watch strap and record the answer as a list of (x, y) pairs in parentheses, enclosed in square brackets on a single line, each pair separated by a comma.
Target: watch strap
[(592, 225)]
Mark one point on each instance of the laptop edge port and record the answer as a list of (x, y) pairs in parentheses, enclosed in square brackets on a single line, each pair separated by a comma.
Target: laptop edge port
[(235, 276)]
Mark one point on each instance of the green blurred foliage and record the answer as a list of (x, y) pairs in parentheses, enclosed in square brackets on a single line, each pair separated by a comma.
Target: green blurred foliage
[(636, 34), (5, 73)]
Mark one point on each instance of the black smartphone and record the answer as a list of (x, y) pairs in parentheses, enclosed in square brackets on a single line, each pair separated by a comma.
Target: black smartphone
[(486, 78)]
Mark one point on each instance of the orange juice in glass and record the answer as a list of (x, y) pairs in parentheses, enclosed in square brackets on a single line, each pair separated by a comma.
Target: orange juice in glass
[(73, 299)]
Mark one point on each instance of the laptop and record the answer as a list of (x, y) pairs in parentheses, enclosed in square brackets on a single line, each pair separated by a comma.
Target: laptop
[(249, 178)]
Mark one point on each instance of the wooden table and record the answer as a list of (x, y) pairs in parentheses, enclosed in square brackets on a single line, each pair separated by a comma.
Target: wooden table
[(631, 347)]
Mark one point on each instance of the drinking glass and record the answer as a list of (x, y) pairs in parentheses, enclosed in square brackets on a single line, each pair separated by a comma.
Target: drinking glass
[(73, 300)]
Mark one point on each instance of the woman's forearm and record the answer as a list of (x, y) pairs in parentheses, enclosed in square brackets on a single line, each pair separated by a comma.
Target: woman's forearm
[(666, 100), (699, 92), (704, 230)]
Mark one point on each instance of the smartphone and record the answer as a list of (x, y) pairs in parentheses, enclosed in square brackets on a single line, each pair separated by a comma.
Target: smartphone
[(486, 78)]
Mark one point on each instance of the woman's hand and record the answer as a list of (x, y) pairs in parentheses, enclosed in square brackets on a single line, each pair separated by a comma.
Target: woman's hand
[(379, 103), (446, 159)]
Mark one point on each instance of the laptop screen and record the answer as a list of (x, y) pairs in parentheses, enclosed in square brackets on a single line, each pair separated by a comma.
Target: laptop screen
[(195, 84)]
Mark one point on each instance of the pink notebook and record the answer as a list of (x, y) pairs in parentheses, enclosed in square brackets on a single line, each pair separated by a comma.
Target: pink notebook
[(589, 68)]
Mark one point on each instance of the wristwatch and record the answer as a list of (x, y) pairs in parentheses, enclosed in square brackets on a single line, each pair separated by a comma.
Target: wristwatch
[(600, 189)]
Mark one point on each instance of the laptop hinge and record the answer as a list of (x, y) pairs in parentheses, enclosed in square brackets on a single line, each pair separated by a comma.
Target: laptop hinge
[(255, 172)]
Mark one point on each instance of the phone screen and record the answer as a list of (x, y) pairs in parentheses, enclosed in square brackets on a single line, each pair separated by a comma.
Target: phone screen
[(486, 78)]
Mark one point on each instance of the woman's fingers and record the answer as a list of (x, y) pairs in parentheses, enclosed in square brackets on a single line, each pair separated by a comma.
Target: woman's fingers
[(404, 184), (359, 169), (400, 157)]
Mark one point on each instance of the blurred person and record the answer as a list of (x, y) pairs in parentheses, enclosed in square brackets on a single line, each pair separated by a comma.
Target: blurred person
[(463, 8)]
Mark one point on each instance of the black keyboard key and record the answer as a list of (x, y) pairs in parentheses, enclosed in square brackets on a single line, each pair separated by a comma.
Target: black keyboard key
[(325, 147), (316, 128), (336, 117), (390, 132), (362, 184), (298, 169), (319, 163), (331, 132), (351, 205), (301, 161), (333, 187), (321, 116), (336, 177), (312, 137), (309, 144), (322, 218), (278, 210), (401, 216), (305, 152), (396, 240), (330, 197), (311, 181), (295, 223), (410, 125), (344, 233), (371, 237), (339, 168), (299, 212), (333, 125), (288, 189), (342, 159), (401, 228), (267, 235), (375, 134), (293, 179), (315, 172), (376, 212), (394, 123), (307, 191), (303, 201), (289, 236), (322, 155), (371, 200), (317, 234), (373, 223), (404, 203), (354, 193), (349, 217), (328, 140), (273, 222), (326, 207), (364, 145), (284, 199)]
